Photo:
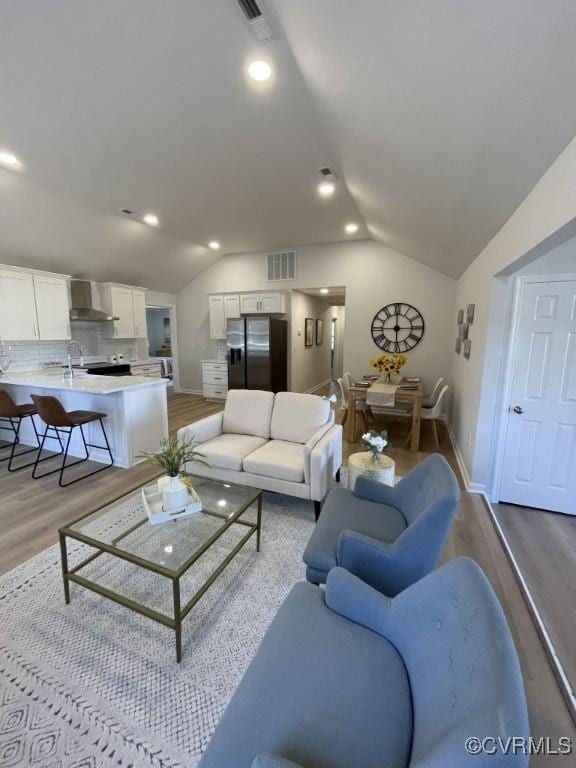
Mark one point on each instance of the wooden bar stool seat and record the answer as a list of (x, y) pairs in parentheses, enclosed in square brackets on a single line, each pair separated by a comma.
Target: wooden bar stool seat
[(11, 417), (60, 422)]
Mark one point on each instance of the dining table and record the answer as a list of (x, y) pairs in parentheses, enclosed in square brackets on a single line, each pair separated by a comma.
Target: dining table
[(409, 394)]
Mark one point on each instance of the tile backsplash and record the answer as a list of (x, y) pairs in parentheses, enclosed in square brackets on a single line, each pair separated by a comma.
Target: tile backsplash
[(28, 355)]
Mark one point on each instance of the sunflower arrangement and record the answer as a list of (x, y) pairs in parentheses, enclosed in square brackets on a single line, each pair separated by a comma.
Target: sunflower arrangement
[(388, 364)]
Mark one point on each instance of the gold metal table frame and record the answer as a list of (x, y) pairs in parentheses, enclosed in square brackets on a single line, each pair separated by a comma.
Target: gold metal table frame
[(180, 612)]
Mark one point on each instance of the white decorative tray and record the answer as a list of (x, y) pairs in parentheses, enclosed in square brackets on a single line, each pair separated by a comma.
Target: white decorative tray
[(152, 501)]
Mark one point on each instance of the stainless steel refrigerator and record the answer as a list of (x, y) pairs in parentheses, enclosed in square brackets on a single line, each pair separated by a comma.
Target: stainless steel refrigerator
[(257, 353)]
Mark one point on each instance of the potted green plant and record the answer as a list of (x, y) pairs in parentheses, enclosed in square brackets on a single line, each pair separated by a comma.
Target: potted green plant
[(172, 456)]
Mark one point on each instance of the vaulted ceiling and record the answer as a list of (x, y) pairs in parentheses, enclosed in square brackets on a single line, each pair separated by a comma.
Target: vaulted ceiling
[(437, 117)]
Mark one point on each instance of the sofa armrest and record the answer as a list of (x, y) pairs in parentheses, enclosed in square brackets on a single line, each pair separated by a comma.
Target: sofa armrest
[(325, 460), (309, 446), (203, 430), (268, 760), (352, 598)]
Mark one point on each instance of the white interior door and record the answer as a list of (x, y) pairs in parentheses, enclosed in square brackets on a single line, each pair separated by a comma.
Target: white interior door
[(539, 464)]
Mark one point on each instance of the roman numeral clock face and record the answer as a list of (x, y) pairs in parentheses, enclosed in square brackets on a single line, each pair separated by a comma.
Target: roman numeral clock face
[(397, 328)]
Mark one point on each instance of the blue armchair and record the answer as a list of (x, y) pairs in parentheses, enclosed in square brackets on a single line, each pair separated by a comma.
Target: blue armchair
[(350, 677), (388, 536)]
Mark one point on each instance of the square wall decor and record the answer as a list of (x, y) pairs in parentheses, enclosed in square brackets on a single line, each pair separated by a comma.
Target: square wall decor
[(460, 316), (319, 331), (470, 313)]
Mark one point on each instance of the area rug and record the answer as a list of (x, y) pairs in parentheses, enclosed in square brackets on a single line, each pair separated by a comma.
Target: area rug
[(94, 684)]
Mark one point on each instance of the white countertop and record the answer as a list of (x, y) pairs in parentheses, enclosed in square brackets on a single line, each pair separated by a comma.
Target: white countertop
[(91, 384)]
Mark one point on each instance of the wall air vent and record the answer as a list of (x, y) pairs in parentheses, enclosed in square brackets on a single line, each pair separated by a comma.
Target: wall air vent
[(256, 19), (281, 265), (327, 173)]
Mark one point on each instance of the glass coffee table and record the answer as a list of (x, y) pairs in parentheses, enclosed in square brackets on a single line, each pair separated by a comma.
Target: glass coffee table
[(121, 530)]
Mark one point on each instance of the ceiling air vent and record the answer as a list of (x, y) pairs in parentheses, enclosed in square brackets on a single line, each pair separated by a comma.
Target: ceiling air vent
[(281, 265), (259, 25)]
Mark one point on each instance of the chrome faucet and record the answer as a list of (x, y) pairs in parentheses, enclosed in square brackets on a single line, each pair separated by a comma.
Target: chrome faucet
[(69, 372)]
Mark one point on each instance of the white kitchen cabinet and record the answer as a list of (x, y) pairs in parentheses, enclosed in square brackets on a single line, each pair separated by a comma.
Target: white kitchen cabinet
[(262, 303), (52, 307), (231, 306), (129, 306), (220, 309), (217, 317), (139, 312), (151, 370), (18, 320), (214, 379)]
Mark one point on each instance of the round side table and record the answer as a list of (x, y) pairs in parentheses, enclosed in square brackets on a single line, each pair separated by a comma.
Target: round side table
[(382, 469)]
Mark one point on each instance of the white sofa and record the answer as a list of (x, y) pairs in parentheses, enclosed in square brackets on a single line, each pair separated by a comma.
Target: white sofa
[(286, 443)]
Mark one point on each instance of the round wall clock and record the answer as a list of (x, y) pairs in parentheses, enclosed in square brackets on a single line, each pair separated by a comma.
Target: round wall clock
[(397, 327)]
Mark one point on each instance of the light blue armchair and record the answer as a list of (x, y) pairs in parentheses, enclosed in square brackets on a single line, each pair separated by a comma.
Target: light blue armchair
[(388, 536), (349, 677)]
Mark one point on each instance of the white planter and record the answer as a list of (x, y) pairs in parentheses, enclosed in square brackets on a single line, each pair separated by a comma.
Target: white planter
[(174, 493)]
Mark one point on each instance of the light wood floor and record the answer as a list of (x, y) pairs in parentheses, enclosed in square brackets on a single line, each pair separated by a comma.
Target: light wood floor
[(31, 512), (544, 545)]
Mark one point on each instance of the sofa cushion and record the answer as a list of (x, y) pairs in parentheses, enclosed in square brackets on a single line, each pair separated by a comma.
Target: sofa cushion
[(228, 451), (248, 412), (297, 417), (322, 691), (342, 511), (277, 458)]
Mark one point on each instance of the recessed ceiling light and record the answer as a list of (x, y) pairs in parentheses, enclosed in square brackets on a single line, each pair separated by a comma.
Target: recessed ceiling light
[(324, 290), (351, 228), (326, 189), (151, 219), (214, 244), (8, 160), (260, 71)]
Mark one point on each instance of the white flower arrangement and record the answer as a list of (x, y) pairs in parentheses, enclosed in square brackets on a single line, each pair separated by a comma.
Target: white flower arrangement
[(375, 442)]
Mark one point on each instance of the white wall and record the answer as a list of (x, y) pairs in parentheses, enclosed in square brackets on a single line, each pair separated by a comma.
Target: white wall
[(558, 261), (545, 220), (373, 276), (310, 366)]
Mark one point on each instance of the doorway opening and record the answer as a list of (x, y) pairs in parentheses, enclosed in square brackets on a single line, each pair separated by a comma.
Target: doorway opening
[(160, 323)]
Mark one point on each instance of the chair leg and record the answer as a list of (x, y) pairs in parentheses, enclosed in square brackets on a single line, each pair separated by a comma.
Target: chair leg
[(317, 509), (407, 441), (337, 476), (364, 420), (435, 434), (345, 417), (105, 447), (14, 455)]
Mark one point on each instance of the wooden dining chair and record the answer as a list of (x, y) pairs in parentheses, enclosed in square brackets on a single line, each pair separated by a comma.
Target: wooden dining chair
[(361, 407)]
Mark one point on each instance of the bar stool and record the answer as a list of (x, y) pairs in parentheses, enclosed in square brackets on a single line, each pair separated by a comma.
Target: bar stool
[(11, 417), (62, 422)]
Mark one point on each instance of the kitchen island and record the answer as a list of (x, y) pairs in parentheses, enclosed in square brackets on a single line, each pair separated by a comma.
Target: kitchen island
[(136, 408)]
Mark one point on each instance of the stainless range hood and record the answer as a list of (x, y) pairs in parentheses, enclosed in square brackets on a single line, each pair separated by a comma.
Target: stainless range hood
[(82, 305)]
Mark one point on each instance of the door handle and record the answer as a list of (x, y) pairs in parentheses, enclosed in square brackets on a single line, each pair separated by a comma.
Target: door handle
[(518, 409)]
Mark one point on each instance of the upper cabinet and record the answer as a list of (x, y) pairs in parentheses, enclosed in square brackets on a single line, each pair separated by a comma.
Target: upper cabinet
[(52, 307), (129, 306), (139, 312), (222, 308), (262, 303), (33, 306), (17, 306)]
